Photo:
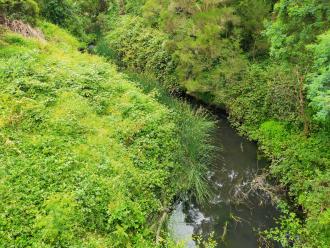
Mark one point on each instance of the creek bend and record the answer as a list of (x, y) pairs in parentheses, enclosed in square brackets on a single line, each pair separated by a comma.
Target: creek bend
[(233, 225)]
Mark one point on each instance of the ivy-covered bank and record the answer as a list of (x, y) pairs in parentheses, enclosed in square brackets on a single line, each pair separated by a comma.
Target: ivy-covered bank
[(87, 159)]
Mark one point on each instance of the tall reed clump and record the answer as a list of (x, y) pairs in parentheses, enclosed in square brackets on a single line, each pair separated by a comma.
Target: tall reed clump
[(195, 127), (196, 143)]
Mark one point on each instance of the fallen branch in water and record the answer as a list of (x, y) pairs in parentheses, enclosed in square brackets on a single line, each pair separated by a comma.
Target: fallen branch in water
[(257, 186), (224, 233)]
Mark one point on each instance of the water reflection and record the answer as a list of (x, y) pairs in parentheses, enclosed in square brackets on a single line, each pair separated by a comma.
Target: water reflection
[(236, 164)]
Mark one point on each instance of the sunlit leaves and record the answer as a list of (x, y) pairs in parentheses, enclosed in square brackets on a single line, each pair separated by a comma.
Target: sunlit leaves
[(87, 158)]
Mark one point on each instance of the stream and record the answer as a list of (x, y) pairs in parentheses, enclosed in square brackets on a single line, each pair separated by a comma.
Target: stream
[(233, 225)]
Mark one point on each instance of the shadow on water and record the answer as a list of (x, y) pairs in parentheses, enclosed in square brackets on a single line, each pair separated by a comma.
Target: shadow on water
[(236, 163)]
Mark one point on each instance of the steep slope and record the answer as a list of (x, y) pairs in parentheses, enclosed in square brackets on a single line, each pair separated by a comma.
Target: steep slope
[(87, 159)]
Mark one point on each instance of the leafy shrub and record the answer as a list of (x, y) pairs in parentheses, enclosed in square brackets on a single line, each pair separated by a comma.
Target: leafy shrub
[(26, 10), (67, 14), (57, 11), (140, 49), (289, 230), (303, 165), (265, 92)]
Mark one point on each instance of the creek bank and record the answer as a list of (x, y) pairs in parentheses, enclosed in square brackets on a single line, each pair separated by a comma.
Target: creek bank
[(293, 159), (233, 141)]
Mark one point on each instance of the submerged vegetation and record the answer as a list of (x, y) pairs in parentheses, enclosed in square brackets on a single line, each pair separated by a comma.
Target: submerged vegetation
[(91, 157)]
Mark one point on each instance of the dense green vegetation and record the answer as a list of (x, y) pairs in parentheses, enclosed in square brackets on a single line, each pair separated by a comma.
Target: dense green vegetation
[(87, 159), (26, 10), (266, 62)]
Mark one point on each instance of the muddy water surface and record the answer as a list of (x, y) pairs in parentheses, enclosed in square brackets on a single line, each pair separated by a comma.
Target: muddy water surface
[(234, 225)]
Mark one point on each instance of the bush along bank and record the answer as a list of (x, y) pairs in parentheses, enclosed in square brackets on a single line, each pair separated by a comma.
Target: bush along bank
[(87, 159), (271, 77)]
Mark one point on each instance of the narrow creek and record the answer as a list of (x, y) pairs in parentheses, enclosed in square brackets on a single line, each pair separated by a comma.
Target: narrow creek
[(234, 225)]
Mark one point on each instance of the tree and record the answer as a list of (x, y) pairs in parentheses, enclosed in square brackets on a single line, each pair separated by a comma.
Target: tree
[(297, 24), (319, 83), (204, 40)]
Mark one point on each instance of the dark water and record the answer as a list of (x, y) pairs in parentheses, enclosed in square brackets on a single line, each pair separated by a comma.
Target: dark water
[(236, 164)]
